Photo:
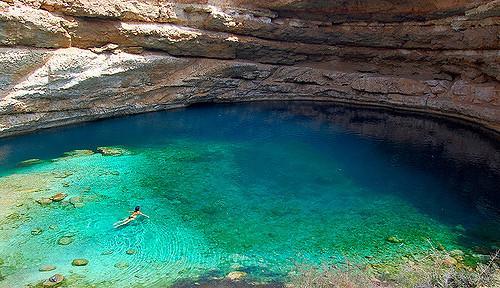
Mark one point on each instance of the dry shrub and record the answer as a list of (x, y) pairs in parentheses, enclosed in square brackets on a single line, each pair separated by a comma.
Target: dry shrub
[(431, 273), (330, 277), (428, 272)]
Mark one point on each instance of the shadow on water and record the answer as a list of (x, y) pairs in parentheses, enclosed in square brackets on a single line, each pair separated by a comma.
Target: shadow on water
[(462, 158), (377, 143)]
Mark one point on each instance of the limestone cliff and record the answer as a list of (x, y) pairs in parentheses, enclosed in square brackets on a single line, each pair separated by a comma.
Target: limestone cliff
[(65, 61)]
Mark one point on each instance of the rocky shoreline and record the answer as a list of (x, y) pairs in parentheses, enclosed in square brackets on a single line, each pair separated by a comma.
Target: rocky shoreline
[(71, 61)]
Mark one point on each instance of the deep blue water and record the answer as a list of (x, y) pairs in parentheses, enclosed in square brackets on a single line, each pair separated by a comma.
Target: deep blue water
[(364, 174)]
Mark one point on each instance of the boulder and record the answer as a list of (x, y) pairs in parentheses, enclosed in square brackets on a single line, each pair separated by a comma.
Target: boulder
[(79, 262)]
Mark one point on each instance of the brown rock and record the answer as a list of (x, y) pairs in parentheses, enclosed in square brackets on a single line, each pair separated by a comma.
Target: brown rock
[(58, 197)]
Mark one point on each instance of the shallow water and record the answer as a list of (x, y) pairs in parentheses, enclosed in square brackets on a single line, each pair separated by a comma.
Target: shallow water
[(261, 188)]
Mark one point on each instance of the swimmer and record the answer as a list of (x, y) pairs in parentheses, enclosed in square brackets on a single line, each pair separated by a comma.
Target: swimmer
[(130, 218)]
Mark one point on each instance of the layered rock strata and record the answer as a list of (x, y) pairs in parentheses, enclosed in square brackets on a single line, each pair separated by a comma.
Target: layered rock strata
[(65, 61)]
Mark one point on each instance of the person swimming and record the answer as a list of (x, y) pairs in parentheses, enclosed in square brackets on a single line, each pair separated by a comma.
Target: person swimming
[(132, 217)]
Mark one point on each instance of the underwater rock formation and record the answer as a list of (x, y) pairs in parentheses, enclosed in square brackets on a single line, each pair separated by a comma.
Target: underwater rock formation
[(66, 61)]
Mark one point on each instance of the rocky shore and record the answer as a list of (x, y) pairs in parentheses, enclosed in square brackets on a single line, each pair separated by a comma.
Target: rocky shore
[(67, 61)]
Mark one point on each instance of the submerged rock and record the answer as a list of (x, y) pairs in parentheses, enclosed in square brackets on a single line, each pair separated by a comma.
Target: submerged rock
[(53, 281), (77, 153), (236, 275), (36, 231), (46, 268), (121, 265), (29, 162), (58, 197), (111, 151), (79, 262), (108, 252), (131, 251), (63, 175), (76, 201), (394, 239), (44, 201), (65, 240)]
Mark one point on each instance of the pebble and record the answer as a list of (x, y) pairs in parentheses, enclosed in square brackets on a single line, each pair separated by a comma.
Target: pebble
[(65, 240), (36, 231), (79, 262), (46, 268)]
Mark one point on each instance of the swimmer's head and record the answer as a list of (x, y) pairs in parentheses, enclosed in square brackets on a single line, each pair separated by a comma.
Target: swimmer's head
[(137, 208)]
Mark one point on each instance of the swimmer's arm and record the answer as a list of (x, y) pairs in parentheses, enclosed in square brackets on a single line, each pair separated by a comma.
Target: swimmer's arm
[(144, 215)]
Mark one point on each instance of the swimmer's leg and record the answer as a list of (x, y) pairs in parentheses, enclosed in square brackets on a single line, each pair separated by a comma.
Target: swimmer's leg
[(124, 222)]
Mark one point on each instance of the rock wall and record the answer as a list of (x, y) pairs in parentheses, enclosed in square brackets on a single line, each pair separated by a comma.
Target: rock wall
[(65, 61)]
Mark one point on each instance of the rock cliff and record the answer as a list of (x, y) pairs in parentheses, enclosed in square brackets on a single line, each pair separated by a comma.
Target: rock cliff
[(65, 61)]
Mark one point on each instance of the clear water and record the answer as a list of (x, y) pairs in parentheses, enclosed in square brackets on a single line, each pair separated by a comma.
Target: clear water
[(259, 188)]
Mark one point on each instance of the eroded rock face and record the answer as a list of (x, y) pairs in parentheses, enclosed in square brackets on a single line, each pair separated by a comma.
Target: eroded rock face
[(66, 61)]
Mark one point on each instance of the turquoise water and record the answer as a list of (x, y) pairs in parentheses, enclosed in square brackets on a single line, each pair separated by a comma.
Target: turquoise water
[(260, 188)]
